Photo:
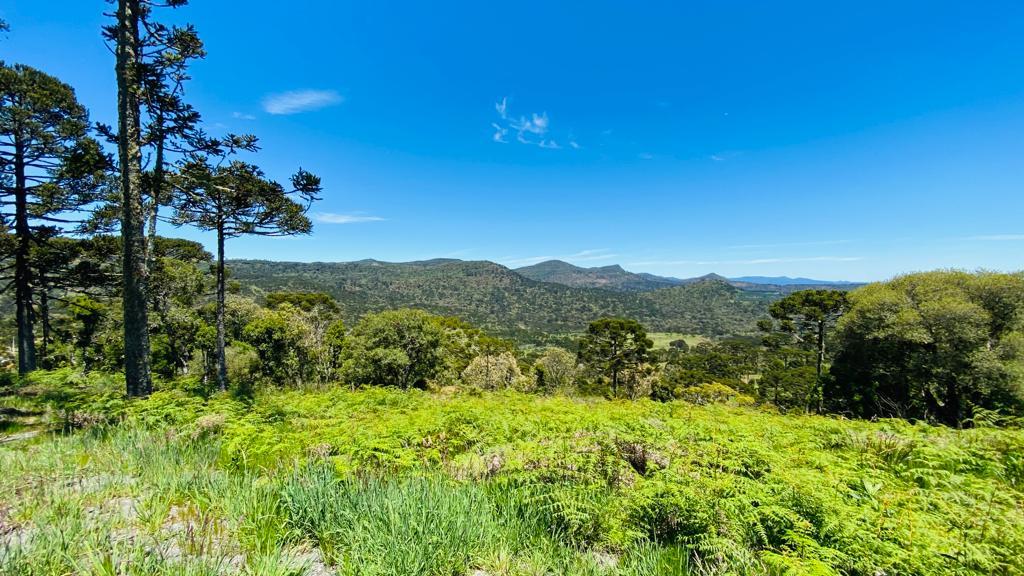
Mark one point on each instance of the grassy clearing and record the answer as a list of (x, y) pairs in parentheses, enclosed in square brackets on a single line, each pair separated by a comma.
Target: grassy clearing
[(386, 482), (662, 339)]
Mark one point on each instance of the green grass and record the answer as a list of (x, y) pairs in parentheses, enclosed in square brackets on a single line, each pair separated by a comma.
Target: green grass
[(662, 339), (379, 482)]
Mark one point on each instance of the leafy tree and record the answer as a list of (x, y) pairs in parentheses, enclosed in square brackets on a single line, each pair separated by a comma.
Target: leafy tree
[(493, 372), (402, 348), (236, 199), (305, 301), (935, 345), (786, 387), (807, 316), (556, 369), (277, 342), (49, 168), (177, 285), (614, 345), (319, 332)]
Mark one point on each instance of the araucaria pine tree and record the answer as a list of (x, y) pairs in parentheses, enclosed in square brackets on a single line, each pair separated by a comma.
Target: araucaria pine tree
[(234, 198), (151, 65), (49, 169)]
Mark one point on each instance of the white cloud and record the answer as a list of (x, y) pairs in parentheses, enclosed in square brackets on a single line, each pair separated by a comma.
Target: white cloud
[(298, 101), (999, 237), (242, 116), (645, 156), (532, 129), (592, 255), (332, 218), (752, 262), (787, 244), (500, 133)]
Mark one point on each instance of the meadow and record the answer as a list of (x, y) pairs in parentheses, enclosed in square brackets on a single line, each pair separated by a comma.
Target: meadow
[(383, 481)]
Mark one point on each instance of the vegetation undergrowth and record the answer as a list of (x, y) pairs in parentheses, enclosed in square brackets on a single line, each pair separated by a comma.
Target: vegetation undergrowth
[(382, 481)]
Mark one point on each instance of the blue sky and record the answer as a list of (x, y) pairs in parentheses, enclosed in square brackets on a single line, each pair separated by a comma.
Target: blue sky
[(835, 140)]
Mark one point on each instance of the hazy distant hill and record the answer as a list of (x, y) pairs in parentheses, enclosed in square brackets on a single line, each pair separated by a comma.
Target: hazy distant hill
[(787, 281), (616, 278), (506, 302)]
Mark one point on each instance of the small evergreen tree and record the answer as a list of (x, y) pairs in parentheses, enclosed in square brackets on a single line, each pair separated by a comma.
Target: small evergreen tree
[(612, 346)]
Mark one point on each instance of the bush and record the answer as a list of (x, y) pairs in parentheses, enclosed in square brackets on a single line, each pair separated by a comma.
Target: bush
[(493, 372)]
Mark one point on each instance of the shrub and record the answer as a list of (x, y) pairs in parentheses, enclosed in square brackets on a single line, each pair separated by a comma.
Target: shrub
[(493, 372)]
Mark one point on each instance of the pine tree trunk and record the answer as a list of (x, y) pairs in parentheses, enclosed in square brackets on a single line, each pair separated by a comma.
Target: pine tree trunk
[(818, 367), (154, 209), (136, 322), (44, 317), (22, 269), (222, 364)]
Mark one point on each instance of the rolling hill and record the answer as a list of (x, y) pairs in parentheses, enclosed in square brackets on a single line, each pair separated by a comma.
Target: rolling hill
[(505, 302), (608, 277), (616, 278)]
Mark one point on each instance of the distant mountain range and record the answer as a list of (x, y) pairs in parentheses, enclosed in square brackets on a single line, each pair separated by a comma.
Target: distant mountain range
[(541, 303), (616, 278)]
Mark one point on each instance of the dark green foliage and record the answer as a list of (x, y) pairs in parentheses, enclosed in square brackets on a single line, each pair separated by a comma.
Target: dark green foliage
[(613, 346), (502, 302), (50, 169), (936, 345), (305, 301), (400, 348), (806, 317)]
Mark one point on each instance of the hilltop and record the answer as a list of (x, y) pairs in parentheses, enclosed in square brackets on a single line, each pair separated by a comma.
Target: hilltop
[(616, 278), (612, 277)]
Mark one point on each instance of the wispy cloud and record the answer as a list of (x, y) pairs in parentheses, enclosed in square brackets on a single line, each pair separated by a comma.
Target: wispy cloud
[(645, 156), (998, 237), (592, 255), (333, 218), (787, 244), (532, 129), (298, 101), (242, 116), (724, 156), (750, 262)]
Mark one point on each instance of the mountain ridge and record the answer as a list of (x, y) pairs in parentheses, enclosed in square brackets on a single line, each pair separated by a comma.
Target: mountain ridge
[(615, 277), (506, 302)]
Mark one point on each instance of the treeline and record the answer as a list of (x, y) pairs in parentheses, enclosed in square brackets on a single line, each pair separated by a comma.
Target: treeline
[(60, 184), (92, 285)]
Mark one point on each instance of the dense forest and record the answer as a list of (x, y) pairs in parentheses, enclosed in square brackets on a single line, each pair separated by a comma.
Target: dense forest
[(506, 303), (165, 409)]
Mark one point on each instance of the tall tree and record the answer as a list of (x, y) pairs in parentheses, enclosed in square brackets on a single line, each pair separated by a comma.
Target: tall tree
[(149, 56), (234, 198), (129, 151), (49, 169), (807, 316), (614, 345)]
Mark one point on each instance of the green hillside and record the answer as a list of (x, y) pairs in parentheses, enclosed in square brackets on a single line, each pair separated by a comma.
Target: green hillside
[(607, 277), (504, 302)]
